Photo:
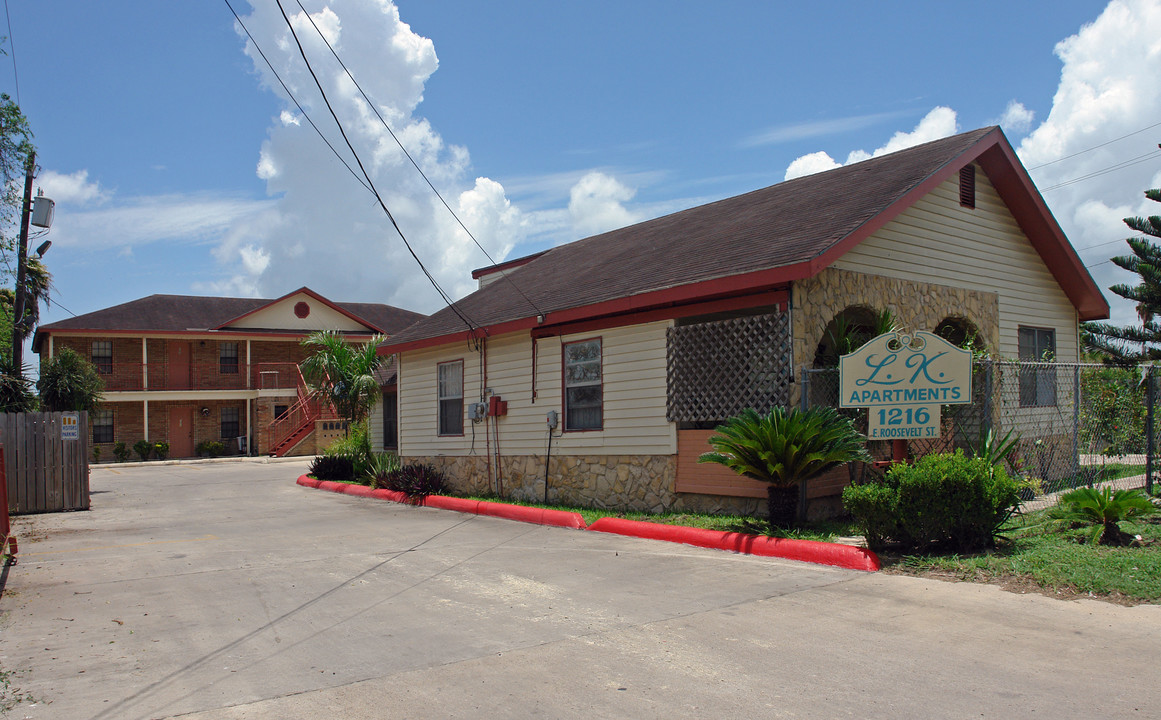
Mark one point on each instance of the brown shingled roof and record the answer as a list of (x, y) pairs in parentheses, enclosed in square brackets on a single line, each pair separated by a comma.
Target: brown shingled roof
[(780, 233), (185, 313)]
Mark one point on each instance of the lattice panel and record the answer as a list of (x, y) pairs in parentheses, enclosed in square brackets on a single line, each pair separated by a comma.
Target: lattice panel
[(717, 369)]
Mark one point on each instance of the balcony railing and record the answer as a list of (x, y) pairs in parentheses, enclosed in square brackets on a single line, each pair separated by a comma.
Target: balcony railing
[(120, 377)]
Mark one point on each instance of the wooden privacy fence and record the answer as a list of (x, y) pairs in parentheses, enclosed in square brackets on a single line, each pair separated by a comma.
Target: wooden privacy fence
[(45, 472)]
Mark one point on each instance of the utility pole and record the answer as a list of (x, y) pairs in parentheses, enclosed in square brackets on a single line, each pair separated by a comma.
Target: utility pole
[(22, 272)]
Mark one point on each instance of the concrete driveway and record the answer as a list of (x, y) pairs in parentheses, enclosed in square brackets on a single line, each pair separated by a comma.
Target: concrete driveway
[(227, 591)]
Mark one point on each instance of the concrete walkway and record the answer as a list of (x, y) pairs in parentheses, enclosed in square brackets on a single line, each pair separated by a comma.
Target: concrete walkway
[(226, 591)]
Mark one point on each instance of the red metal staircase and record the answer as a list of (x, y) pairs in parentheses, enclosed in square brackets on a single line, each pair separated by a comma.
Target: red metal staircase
[(292, 427)]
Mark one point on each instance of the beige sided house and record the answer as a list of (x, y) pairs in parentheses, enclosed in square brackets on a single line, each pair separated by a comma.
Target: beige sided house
[(640, 340), (188, 370)]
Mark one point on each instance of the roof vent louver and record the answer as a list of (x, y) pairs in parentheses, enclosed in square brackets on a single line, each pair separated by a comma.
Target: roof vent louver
[(967, 186)]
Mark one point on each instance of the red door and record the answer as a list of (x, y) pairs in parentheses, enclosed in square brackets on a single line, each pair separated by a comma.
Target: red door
[(177, 365), (181, 444)]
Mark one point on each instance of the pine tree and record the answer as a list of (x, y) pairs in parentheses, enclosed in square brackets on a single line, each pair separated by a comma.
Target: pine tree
[(1131, 344)]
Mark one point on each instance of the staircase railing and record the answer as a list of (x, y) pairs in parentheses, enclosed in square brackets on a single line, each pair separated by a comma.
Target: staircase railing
[(311, 406)]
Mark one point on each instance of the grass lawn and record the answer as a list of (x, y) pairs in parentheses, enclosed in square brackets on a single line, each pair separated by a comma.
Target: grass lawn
[(1036, 560)]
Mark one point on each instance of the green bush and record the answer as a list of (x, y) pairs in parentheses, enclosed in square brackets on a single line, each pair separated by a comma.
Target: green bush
[(120, 451), (336, 468), (161, 450), (945, 500), (356, 447), (143, 448), (210, 448), (96, 454), (874, 506)]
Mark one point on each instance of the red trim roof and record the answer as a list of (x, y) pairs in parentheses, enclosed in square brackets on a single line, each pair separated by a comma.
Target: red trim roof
[(754, 242), (191, 314)]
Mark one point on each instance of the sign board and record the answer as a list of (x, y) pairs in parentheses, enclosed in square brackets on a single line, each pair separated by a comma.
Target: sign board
[(70, 426), (903, 379)]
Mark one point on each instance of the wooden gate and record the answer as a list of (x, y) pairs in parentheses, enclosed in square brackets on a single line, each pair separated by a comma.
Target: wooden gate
[(44, 472)]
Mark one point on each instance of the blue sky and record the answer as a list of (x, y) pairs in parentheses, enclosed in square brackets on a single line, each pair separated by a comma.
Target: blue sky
[(179, 166)]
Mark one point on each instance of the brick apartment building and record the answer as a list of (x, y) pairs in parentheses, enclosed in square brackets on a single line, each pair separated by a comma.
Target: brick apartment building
[(187, 370)]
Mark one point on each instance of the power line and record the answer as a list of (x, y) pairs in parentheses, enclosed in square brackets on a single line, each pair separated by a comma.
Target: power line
[(1094, 147), (12, 44), (294, 99), (379, 198), (375, 109), (1104, 171)]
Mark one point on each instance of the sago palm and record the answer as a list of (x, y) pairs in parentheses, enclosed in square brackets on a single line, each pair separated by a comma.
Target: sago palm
[(1103, 509), (786, 448)]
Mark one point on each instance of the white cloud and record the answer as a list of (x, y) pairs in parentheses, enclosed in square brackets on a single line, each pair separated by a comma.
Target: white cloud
[(1016, 118), (596, 204), (324, 229), (124, 223), (810, 164), (73, 188), (940, 122), (819, 128), (1108, 90)]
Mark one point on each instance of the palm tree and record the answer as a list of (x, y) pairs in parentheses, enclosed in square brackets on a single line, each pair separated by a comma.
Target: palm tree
[(344, 372), (786, 448)]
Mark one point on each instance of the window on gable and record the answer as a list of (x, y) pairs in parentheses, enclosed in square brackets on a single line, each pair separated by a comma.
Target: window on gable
[(1037, 376), (231, 422), (450, 396), (102, 422), (102, 356), (967, 186), (583, 386), (228, 358)]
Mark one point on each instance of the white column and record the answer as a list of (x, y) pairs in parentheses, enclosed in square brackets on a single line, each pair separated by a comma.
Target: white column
[(249, 435), (249, 368), (50, 347), (145, 371), (145, 404)]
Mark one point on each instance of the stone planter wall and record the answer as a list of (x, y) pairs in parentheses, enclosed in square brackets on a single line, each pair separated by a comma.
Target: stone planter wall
[(916, 305), (625, 482)]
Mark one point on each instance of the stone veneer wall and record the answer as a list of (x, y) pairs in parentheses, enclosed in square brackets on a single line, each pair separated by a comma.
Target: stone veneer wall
[(627, 482), (916, 305)]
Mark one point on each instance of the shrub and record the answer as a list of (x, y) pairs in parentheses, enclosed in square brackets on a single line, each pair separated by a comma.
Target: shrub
[(120, 451), (356, 447), (336, 468), (161, 450), (143, 448), (211, 448), (96, 454), (380, 467), (1102, 509), (417, 480), (944, 499), (785, 448)]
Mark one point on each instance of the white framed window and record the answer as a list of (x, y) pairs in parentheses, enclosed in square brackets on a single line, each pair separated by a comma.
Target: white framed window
[(228, 358), (231, 423), (102, 422), (1037, 381), (450, 397), (583, 385), (102, 356)]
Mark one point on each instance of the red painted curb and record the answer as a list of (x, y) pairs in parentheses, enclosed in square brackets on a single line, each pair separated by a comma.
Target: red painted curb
[(538, 516), (844, 556)]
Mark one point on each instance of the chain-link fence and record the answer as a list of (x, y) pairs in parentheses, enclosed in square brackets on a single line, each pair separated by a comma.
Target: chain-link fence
[(1074, 424)]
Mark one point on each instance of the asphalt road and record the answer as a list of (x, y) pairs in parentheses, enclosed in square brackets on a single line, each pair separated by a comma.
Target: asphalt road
[(224, 590)]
